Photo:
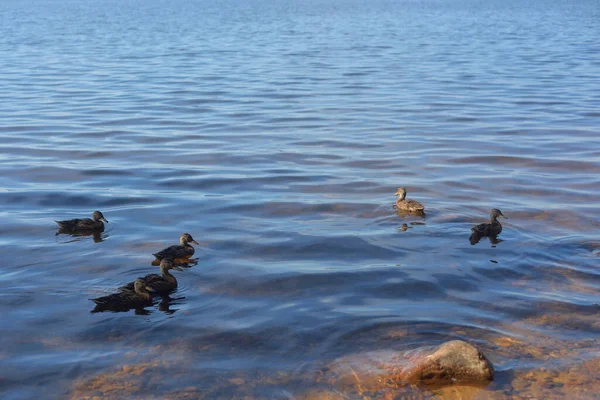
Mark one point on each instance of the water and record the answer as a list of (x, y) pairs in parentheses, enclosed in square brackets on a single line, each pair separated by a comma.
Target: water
[(276, 133)]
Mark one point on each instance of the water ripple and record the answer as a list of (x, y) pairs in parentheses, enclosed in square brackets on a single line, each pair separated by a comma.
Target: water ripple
[(276, 133)]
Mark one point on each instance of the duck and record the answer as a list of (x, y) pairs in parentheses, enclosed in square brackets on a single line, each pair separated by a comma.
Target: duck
[(159, 284), (182, 250), (139, 297), (407, 205), (96, 223), (491, 228)]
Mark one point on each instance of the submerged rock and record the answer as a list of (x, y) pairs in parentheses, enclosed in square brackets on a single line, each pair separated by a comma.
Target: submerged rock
[(454, 362)]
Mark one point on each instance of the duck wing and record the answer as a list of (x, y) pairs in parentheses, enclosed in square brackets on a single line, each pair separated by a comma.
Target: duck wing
[(68, 224), (415, 205), (495, 228), (166, 252), (175, 251), (481, 229), (161, 285), (120, 301), (149, 279), (80, 224)]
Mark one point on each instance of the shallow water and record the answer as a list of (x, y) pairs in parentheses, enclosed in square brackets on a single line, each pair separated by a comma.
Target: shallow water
[(276, 133)]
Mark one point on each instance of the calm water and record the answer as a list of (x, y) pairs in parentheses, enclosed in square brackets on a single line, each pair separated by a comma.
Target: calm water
[(276, 133)]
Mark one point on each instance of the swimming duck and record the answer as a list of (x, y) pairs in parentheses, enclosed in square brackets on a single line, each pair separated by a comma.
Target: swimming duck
[(159, 283), (126, 300), (182, 250), (84, 224), (492, 228), (407, 205)]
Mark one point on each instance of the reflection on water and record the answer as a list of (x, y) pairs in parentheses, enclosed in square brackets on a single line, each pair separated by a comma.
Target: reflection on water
[(165, 305), (276, 132), (180, 262), (476, 237), (404, 214), (97, 236), (167, 302)]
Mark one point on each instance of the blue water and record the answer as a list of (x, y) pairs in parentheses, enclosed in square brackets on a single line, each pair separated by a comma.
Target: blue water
[(276, 133)]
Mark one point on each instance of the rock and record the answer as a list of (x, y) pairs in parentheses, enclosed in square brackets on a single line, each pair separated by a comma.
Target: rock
[(454, 362)]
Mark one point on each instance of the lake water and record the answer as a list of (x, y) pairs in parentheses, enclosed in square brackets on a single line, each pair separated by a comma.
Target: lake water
[(276, 133)]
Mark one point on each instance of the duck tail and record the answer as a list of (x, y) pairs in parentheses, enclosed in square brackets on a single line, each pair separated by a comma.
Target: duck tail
[(65, 224), (99, 301)]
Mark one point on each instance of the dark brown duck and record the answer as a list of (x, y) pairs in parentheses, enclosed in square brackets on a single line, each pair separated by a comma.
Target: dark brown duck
[(182, 250), (491, 228), (159, 283), (126, 300), (96, 223)]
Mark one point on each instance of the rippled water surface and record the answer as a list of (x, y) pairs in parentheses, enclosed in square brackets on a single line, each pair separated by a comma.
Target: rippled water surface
[(276, 133)]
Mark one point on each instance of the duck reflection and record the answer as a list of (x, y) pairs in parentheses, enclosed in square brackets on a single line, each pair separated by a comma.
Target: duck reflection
[(475, 238), (166, 303), (403, 213), (404, 227), (97, 236), (180, 262)]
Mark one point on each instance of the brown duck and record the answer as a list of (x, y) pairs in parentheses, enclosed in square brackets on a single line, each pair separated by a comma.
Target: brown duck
[(125, 300), (96, 223), (402, 204), (159, 283), (182, 250)]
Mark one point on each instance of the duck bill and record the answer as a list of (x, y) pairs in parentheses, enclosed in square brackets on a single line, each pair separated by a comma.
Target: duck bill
[(193, 241), (175, 267), (502, 215), (148, 288), (104, 220), (397, 193)]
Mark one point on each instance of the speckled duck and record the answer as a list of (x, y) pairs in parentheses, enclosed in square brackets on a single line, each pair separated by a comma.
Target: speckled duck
[(402, 204)]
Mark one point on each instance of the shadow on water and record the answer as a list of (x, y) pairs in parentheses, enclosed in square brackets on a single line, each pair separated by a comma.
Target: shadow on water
[(97, 236)]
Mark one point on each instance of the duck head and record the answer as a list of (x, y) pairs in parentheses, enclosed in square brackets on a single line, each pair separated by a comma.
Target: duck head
[(401, 192), (187, 238), (97, 216), (495, 213)]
